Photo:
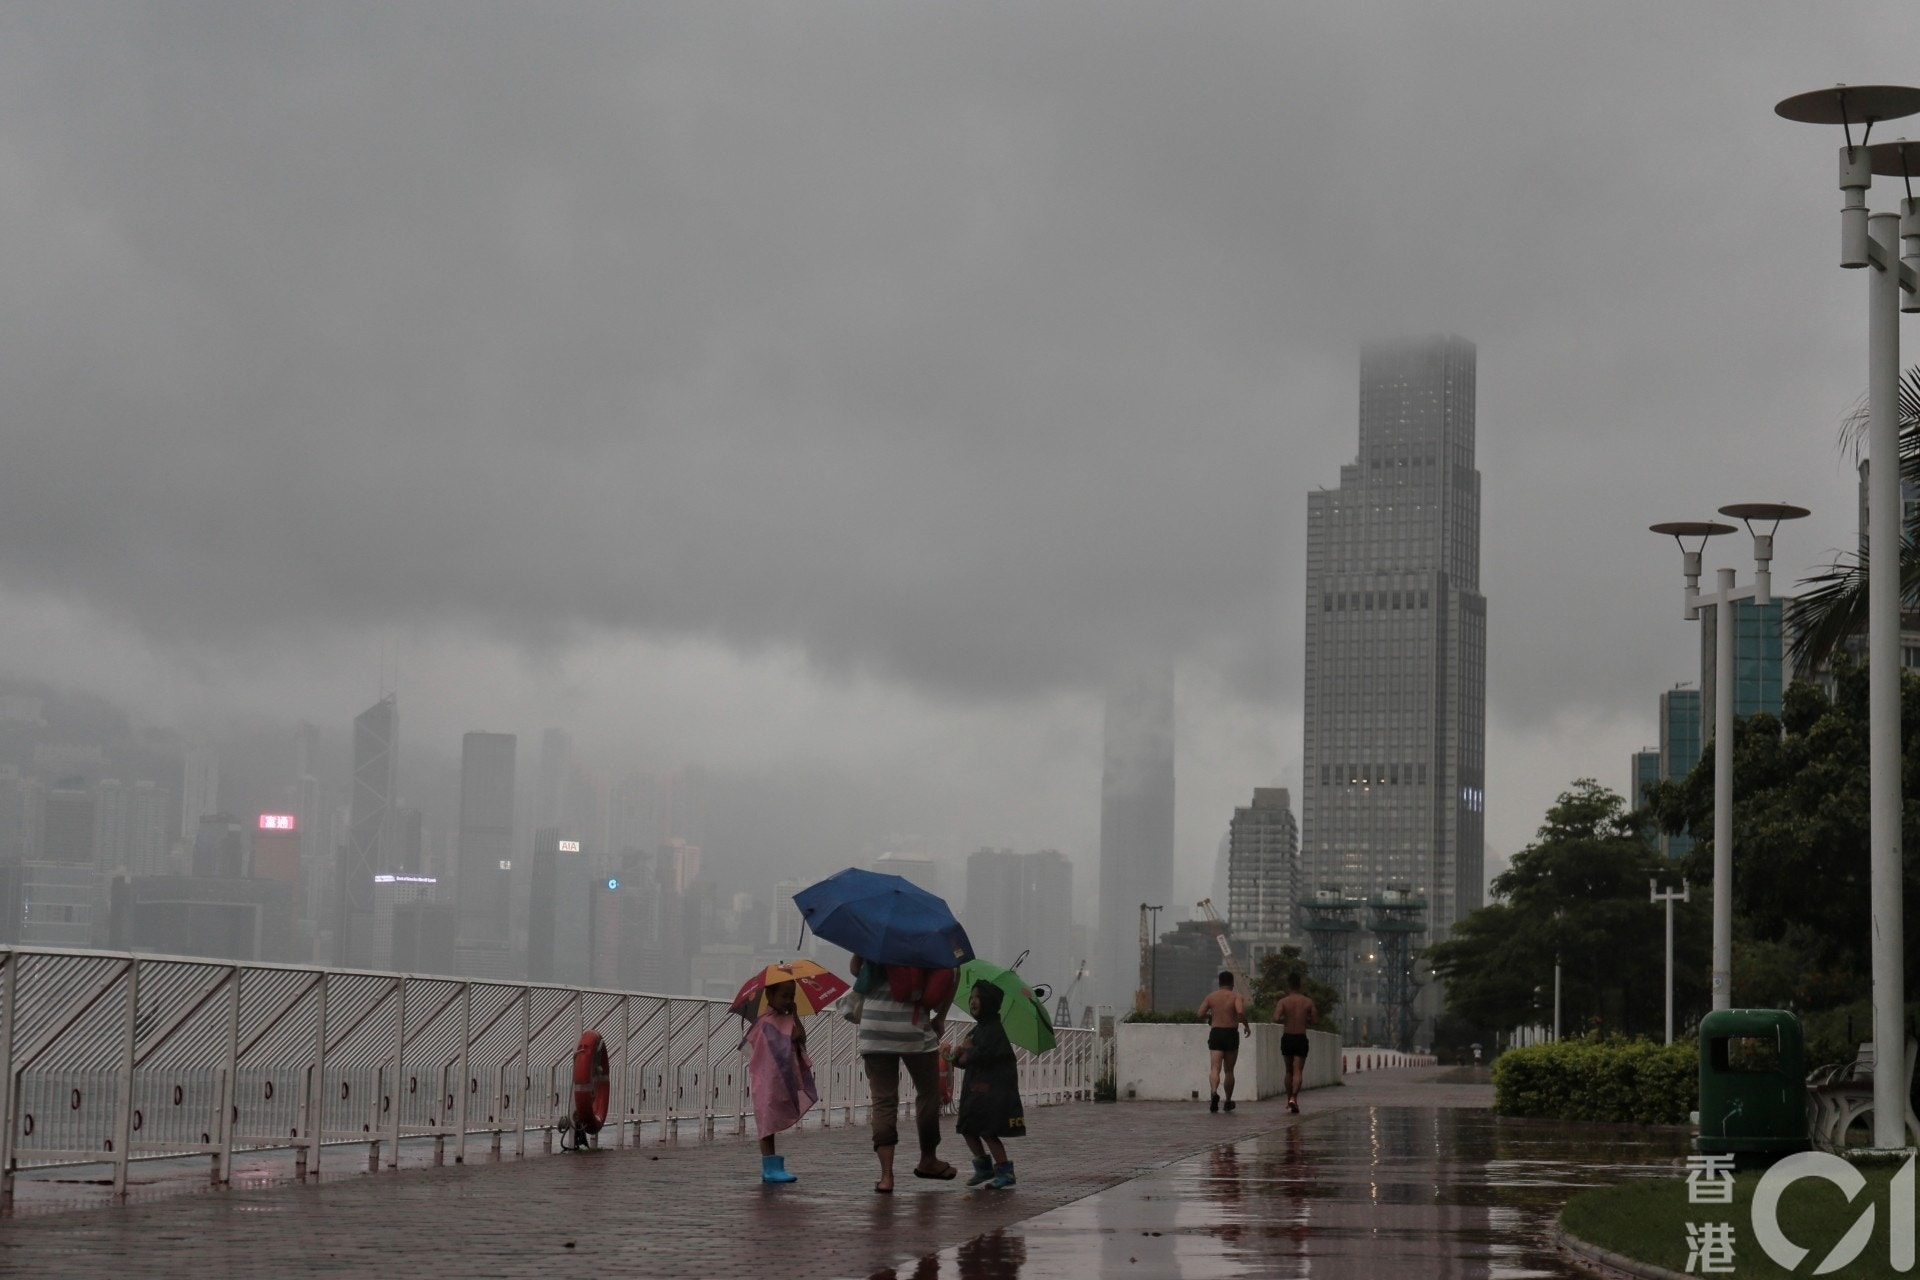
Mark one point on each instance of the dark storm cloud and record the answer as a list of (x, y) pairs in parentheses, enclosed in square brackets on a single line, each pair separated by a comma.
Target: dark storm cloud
[(975, 347)]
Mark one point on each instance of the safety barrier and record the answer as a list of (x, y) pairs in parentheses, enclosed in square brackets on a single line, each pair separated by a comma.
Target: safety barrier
[(108, 1058), (1352, 1060)]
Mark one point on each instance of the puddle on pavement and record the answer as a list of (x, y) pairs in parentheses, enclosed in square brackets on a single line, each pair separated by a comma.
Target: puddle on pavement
[(1357, 1192)]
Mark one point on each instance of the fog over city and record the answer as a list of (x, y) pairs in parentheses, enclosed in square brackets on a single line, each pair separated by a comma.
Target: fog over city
[(830, 398)]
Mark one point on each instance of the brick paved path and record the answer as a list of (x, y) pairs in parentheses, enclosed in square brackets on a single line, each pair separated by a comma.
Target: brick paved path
[(667, 1210)]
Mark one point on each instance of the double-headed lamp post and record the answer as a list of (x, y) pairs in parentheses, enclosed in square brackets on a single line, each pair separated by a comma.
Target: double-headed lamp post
[(1722, 599), (1893, 285), (1669, 897)]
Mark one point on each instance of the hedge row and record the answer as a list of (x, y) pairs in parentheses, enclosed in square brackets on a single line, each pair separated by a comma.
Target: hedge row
[(1614, 1081)]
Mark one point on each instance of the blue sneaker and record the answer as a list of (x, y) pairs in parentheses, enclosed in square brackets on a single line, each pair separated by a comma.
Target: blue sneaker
[(982, 1172)]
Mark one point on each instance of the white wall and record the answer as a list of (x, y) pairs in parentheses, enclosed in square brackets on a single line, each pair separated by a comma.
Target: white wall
[(1167, 1062)]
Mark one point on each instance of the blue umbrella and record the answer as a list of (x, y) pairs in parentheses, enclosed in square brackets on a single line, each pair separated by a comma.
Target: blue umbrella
[(885, 919)]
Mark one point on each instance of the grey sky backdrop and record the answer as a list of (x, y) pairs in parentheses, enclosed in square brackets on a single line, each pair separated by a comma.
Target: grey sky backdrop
[(834, 391)]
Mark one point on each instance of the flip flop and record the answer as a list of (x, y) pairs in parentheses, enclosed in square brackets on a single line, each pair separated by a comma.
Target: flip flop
[(945, 1173)]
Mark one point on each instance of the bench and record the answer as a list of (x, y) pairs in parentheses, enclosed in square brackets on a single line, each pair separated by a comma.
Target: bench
[(1839, 1095)]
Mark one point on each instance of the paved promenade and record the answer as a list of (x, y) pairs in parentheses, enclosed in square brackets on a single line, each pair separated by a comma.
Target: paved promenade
[(1397, 1171)]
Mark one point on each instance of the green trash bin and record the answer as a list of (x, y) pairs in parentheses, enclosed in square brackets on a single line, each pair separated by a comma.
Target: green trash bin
[(1753, 1083)]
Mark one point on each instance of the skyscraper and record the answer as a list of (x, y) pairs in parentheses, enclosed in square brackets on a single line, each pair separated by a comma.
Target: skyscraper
[(1394, 782), (1263, 875), (369, 830), (1679, 750), (484, 886), (1019, 902), (1136, 823)]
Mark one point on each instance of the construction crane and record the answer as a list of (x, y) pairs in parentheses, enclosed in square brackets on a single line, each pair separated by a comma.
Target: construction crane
[(1063, 1010), (1219, 928)]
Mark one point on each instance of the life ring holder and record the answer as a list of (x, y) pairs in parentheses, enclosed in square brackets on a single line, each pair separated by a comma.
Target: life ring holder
[(592, 1089)]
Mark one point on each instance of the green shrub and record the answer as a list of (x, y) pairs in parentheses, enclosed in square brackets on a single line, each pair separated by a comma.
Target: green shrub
[(1170, 1015), (1609, 1080)]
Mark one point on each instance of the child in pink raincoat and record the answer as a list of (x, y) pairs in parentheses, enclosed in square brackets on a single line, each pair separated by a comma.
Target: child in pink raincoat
[(781, 1075)]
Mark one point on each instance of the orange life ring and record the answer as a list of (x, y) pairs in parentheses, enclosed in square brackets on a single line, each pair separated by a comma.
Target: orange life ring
[(592, 1089)]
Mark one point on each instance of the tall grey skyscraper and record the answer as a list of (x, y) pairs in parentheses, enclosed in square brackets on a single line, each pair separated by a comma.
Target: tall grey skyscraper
[(1020, 902), (1396, 649), (484, 884), (1136, 824), (371, 831)]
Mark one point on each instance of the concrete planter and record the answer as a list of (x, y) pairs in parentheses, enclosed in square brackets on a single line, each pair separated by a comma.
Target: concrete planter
[(1167, 1062)]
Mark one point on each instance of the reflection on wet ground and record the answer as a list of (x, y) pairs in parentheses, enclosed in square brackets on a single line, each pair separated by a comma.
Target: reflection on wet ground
[(1357, 1192)]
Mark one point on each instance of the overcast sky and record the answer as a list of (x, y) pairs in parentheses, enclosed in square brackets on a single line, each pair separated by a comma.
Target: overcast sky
[(842, 387)]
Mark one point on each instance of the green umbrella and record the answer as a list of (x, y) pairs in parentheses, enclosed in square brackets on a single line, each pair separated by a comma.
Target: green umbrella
[(1024, 1017)]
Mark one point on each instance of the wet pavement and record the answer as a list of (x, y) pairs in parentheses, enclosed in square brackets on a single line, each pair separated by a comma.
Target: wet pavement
[(1358, 1192), (1397, 1173)]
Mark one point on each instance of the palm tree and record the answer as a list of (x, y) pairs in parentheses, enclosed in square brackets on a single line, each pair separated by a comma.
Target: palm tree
[(1834, 605)]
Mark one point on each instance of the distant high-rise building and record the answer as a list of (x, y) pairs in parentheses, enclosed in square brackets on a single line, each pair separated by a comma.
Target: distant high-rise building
[(683, 804), (22, 801), (112, 825), (424, 936), (560, 886), (1136, 824), (67, 836), (916, 868), (62, 887), (1395, 734), (1263, 875), (391, 893), (219, 848), (785, 922), (199, 789), (150, 829), (1020, 903), (409, 844), (679, 862), (229, 919), (277, 853), (1759, 658), (484, 885), (1645, 767), (370, 830), (633, 821), (550, 802), (1680, 744)]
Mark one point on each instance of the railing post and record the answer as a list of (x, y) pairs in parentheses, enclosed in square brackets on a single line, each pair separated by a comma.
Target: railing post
[(526, 1069), (9, 1094), (123, 1118), (230, 1083), (399, 1062), (707, 1091), (669, 1077), (317, 1115), (462, 1085), (624, 1080)]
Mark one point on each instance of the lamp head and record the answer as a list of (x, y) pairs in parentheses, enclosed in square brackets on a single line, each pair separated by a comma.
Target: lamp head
[(1769, 514), (1680, 531)]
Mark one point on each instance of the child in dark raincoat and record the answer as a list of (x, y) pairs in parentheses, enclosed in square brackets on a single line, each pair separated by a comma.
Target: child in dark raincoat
[(990, 1092)]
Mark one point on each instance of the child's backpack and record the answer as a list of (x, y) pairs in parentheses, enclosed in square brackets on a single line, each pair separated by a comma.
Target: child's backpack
[(931, 989)]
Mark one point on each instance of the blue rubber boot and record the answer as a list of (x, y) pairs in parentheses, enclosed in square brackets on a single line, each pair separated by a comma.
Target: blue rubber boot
[(982, 1172), (774, 1169), (1002, 1176)]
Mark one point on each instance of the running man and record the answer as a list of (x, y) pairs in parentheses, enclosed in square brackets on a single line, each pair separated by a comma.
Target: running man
[(1295, 1013), (1226, 1013)]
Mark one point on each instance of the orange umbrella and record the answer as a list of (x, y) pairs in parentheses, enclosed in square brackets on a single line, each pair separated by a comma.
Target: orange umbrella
[(814, 988)]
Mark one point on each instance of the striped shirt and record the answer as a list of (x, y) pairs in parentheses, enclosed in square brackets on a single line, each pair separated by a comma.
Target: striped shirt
[(895, 1026)]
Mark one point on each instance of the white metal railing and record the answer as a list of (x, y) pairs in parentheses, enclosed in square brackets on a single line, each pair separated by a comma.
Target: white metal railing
[(107, 1058)]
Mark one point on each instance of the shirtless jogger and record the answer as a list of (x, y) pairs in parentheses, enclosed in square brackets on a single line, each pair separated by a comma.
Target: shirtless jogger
[(1226, 1013), (1295, 1013)]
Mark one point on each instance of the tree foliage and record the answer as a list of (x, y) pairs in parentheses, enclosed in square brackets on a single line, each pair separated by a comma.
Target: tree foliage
[(1270, 983), (1578, 893), (1801, 820)]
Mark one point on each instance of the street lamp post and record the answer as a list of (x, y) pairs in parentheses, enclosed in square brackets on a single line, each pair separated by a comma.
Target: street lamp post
[(1869, 240), (1725, 594), (1669, 897)]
